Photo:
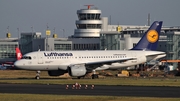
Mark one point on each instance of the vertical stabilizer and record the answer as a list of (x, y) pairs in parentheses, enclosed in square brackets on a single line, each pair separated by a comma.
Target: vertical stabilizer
[(150, 39), (18, 53)]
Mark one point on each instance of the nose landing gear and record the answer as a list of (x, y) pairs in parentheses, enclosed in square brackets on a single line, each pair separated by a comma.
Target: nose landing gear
[(38, 75)]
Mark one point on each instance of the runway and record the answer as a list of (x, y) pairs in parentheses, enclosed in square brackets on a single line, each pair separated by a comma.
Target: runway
[(137, 91)]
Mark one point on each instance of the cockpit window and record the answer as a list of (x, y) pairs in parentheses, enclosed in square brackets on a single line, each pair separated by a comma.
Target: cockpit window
[(26, 57)]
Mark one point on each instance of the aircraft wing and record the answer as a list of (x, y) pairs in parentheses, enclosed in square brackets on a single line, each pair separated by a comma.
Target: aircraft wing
[(94, 65), (109, 62)]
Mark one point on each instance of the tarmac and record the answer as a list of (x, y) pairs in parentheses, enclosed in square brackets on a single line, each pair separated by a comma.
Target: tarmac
[(97, 90)]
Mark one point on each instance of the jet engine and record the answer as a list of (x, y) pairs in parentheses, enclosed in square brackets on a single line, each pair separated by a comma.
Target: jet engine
[(56, 72), (77, 70)]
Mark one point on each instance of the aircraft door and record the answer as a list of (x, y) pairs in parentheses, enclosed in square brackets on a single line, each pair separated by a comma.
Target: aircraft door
[(134, 55), (40, 58)]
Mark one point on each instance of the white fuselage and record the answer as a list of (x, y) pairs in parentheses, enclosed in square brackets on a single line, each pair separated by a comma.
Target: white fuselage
[(60, 60)]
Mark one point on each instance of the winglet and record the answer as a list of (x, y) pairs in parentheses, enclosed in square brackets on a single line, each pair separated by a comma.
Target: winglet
[(18, 53), (150, 39)]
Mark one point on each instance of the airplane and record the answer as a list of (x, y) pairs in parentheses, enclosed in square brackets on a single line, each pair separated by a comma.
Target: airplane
[(18, 57), (79, 63)]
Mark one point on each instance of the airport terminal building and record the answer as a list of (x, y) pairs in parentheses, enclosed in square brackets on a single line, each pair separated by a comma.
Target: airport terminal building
[(7, 49), (93, 33)]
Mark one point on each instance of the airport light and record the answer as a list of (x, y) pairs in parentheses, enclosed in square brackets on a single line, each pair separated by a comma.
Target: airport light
[(63, 32), (18, 38)]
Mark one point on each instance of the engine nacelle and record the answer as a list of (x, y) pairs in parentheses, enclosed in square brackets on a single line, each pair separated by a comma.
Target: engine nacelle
[(56, 72), (77, 70)]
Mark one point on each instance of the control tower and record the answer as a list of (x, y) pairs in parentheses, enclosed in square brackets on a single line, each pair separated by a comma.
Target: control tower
[(89, 23)]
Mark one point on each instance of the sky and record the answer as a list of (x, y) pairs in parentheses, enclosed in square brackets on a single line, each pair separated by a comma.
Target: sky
[(62, 14)]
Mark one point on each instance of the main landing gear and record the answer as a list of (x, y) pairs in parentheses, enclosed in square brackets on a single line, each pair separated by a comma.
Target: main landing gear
[(94, 75), (38, 75)]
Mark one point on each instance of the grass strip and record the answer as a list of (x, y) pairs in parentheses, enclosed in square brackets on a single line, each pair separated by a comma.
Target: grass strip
[(40, 97)]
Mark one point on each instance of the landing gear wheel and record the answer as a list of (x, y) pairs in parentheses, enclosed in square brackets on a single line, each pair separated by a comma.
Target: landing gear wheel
[(38, 75), (95, 76)]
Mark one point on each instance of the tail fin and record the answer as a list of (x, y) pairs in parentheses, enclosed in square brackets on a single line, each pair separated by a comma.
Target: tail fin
[(18, 53), (149, 41)]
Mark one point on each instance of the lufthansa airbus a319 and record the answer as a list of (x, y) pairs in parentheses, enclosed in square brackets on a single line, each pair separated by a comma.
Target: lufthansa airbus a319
[(79, 63)]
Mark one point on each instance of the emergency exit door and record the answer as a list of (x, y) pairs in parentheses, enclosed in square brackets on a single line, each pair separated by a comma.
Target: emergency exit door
[(40, 58)]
